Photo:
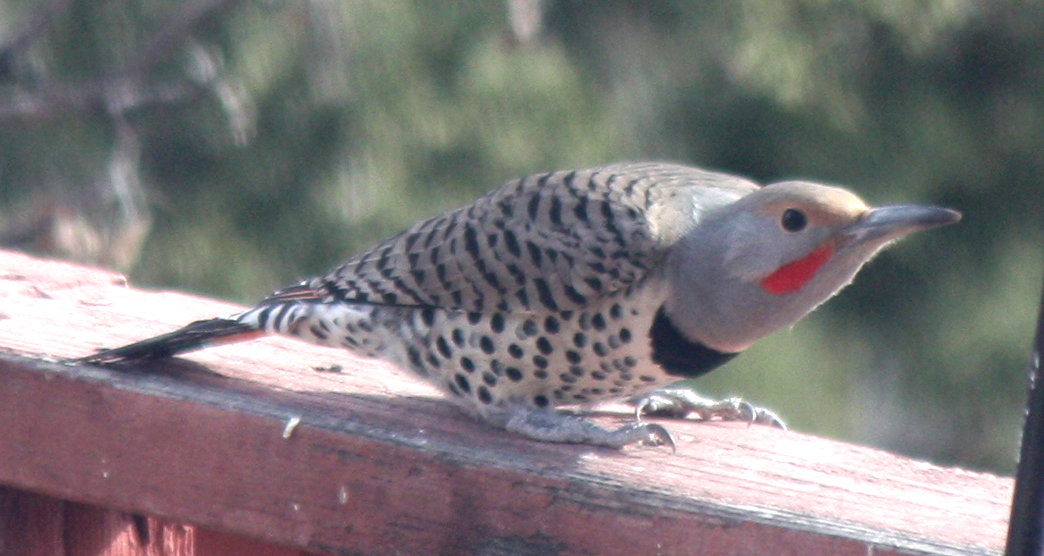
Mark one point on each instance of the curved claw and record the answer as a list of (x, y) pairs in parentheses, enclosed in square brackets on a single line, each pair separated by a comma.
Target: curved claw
[(746, 410), (659, 436), (755, 415), (681, 402), (639, 407), (765, 416), (665, 402)]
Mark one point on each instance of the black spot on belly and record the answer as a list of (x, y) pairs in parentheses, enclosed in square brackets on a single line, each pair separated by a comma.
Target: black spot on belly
[(428, 316), (415, 358), (467, 364), (444, 347), (545, 295), (319, 332), (527, 329)]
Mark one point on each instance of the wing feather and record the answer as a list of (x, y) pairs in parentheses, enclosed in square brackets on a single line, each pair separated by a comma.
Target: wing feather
[(555, 241)]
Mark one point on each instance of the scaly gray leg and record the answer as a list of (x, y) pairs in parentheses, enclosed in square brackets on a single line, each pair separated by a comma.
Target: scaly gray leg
[(679, 402), (550, 426)]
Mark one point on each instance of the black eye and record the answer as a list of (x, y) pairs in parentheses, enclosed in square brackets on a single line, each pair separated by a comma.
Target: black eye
[(793, 220)]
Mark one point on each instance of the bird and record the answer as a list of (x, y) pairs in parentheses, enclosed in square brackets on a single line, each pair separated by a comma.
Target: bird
[(569, 288)]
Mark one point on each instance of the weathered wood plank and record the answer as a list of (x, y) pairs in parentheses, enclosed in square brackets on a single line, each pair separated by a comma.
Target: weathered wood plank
[(34, 524), (30, 524), (379, 464)]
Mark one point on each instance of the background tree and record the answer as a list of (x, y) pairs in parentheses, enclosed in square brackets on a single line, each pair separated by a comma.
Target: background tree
[(231, 147)]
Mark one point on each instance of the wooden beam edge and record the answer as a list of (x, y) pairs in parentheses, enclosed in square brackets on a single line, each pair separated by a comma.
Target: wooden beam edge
[(102, 402)]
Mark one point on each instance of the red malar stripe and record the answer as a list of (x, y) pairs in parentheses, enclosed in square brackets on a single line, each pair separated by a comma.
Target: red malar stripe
[(790, 277)]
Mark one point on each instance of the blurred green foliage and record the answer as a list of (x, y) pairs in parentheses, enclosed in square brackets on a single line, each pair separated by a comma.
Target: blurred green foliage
[(231, 147)]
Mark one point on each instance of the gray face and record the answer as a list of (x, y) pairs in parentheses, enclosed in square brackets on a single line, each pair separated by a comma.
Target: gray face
[(769, 259)]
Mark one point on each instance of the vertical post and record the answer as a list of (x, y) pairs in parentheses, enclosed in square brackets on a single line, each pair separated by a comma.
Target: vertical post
[(1026, 527)]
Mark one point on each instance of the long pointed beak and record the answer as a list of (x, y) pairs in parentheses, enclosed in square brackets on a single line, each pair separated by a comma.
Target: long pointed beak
[(887, 223)]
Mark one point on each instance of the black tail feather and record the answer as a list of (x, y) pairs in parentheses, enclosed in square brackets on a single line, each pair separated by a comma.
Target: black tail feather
[(197, 335)]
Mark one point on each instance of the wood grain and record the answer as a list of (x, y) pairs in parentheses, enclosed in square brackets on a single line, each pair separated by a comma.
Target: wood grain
[(379, 464)]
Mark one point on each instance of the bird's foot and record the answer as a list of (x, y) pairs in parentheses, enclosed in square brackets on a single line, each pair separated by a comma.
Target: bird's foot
[(551, 426), (680, 402)]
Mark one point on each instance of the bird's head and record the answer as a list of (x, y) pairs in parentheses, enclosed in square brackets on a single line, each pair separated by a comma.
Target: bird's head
[(766, 260)]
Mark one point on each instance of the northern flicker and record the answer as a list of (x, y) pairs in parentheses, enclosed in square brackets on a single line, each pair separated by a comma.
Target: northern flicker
[(574, 287)]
